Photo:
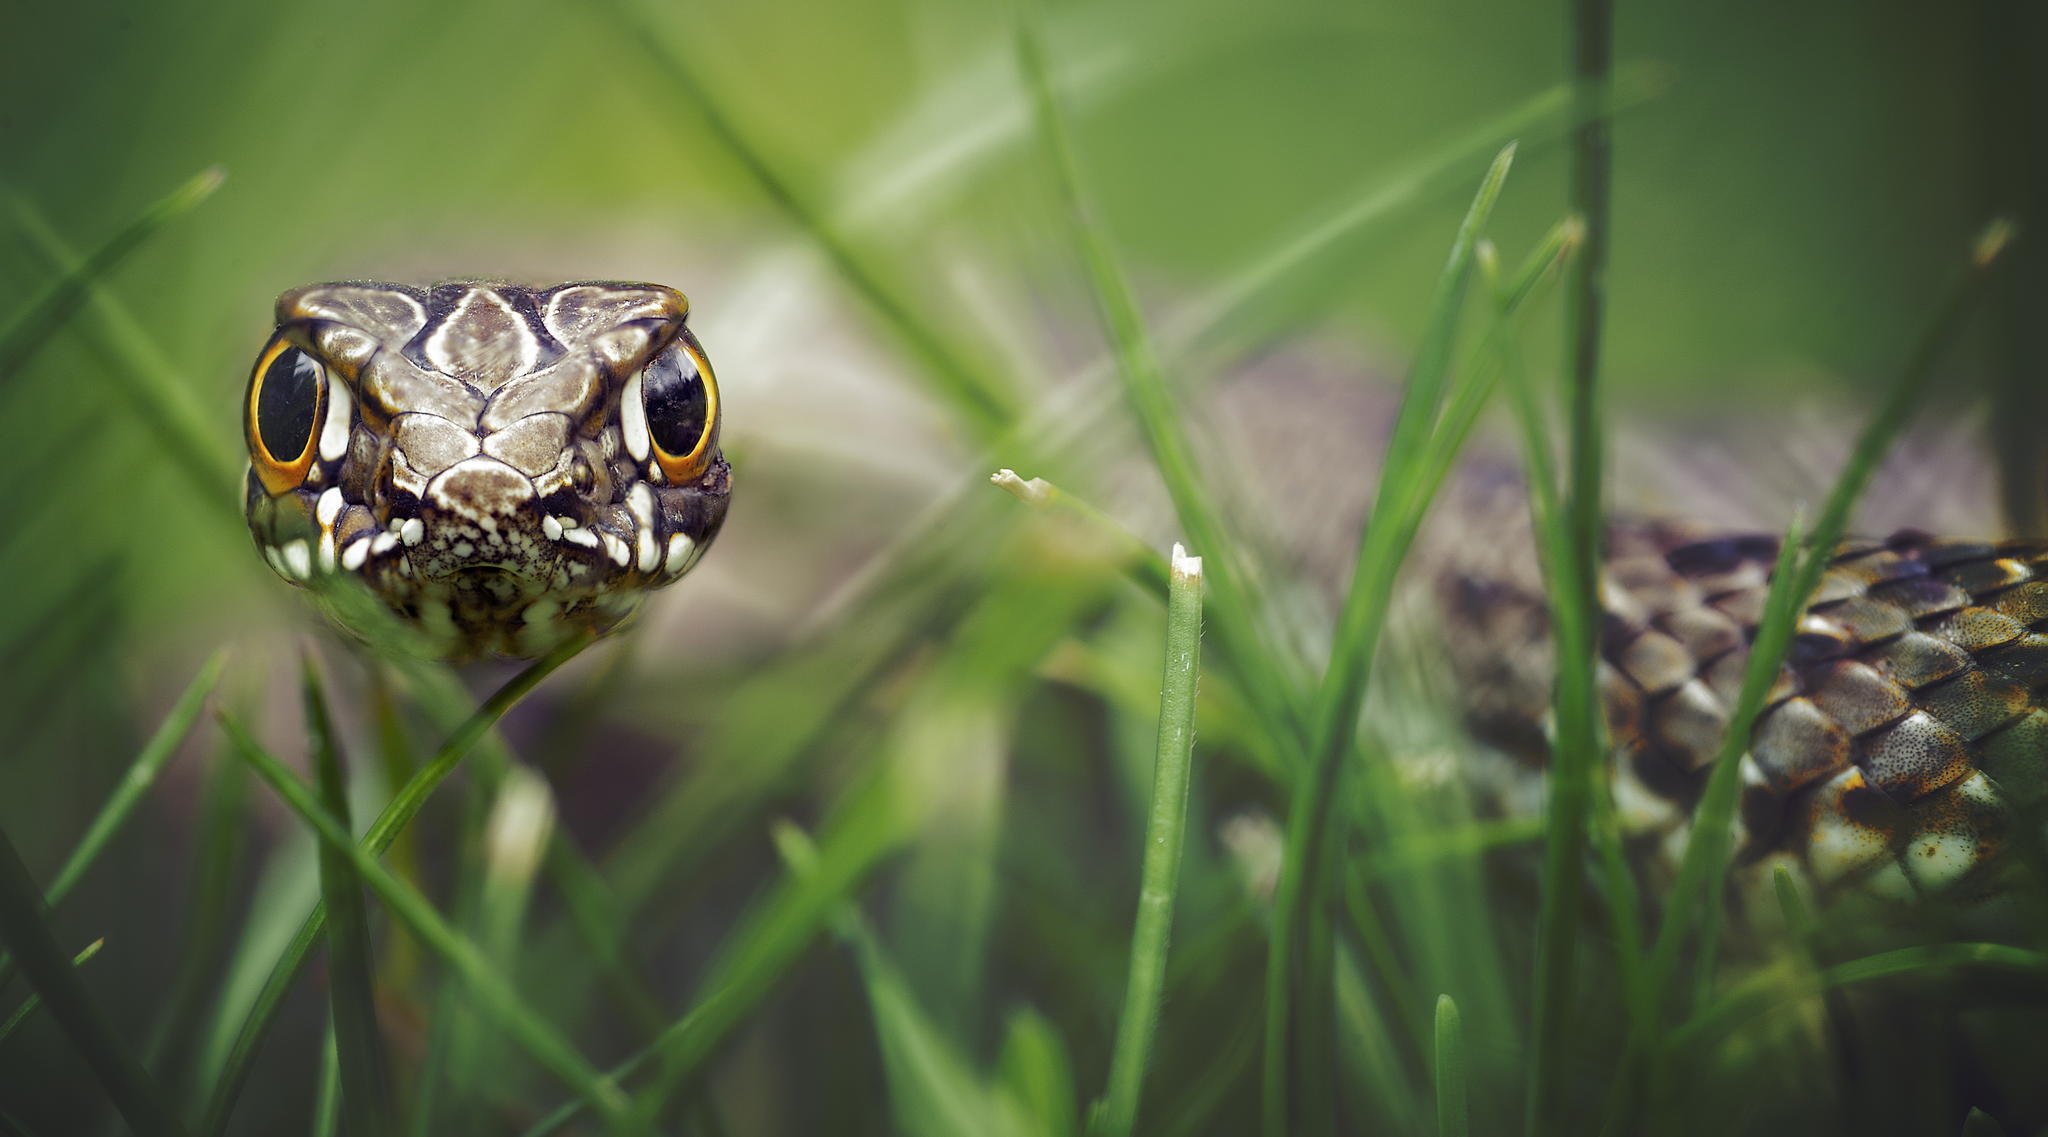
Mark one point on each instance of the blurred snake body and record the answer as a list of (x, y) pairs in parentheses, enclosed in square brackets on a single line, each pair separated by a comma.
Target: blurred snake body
[(503, 467)]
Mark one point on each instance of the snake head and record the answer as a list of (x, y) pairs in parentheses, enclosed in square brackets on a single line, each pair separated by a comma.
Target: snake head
[(502, 466)]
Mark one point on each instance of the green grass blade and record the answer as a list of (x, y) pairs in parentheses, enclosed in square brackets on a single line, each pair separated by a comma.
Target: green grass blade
[(1165, 831), (1981, 1124), (1159, 420), (1366, 603), (1452, 1109), (404, 805), (162, 400), (34, 324), (26, 930), (366, 1100), (134, 785), (983, 401), (141, 775), (1577, 752), (870, 824), (327, 1099), (493, 993), (29, 1005), (1034, 1069)]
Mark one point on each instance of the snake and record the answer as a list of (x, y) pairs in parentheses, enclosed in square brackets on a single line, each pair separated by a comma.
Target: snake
[(507, 466), (504, 467)]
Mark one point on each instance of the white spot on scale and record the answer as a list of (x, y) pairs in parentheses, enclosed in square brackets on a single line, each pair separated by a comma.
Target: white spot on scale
[(298, 559), (328, 507), (1937, 860), (341, 413), (413, 531), (463, 549), (621, 555), (358, 551), (552, 527), (679, 549), (633, 420)]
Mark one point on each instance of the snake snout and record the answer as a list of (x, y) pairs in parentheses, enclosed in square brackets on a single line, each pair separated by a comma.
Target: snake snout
[(479, 514)]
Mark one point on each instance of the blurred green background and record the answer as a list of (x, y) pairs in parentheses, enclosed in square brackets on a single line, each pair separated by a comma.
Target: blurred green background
[(1789, 202)]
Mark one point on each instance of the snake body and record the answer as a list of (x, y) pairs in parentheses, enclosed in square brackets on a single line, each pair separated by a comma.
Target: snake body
[(1904, 735), (502, 466)]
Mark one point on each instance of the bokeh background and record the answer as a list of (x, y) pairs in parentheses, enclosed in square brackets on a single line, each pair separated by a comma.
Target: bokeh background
[(1794, 186)]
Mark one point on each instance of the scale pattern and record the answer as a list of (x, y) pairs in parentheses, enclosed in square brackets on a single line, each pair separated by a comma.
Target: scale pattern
[(1908, 723)]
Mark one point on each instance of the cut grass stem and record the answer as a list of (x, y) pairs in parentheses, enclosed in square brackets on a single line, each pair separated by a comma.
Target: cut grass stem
[(1165, 831)]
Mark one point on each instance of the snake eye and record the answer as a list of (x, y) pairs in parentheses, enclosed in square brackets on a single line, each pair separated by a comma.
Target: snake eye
[(286, 393), (680, 399)]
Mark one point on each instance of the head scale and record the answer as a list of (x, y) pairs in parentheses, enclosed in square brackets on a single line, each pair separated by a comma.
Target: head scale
[(503, 466)]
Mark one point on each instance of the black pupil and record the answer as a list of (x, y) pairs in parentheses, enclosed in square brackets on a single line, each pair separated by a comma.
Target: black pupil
[(286, 402), (674, 395)]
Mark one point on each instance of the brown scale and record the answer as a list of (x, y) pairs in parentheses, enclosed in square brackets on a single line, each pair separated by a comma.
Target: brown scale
[(1909, 719)]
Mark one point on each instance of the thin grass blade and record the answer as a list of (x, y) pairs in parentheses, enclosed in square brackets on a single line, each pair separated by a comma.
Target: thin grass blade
[(404, 805), (33, 325), (25, 927), (366, 1099), (33, 1002), (1165, 831), (494, 994), (1366, 603)]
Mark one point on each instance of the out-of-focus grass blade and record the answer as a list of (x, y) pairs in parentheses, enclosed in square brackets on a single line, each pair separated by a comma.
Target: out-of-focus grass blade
[(234, 1070), (220, 845), (1452, 1110), (24, 926), (28, 1006), (352, 999), (33, 325), (327, 1099), (151, 389), (493, 993), (1335, 714), (984, 402), (933, 1087), (1159, 420), (873, 821), (1781, 988), (1034, 1070), (1165, 831), (141, 775), (515, 841), (1577, 753), (1981, 1124)]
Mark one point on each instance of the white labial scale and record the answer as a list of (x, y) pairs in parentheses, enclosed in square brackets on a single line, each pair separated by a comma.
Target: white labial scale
[(552, 527), (620, 554), (276, 560), (298, 558), (640, 500), (633, 420), (584, 537), (384, 543), (413, 531), (358, 551), (679, 549), (341, 413)]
